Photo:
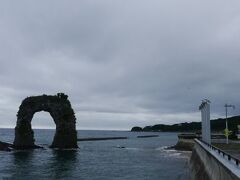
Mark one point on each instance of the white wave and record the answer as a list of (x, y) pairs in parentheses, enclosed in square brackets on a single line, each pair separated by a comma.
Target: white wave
[(166, 152), (162, 148), (177, 154)]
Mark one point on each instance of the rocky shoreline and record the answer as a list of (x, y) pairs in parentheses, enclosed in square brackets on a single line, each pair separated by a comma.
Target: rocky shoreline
[(9, 147), (185, 142), (183, 146), (5, 146)]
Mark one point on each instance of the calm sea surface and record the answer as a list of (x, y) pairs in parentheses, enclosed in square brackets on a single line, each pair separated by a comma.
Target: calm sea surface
[(142, 159)]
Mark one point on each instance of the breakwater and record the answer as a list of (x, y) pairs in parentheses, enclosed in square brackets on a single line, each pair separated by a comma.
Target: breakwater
[(112, 138), (210, 163), (100, 138), (148, 136)]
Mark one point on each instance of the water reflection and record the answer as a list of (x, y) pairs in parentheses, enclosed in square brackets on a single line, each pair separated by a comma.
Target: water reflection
[(21, 157), (22, 161), (48, 163), (62, 163)]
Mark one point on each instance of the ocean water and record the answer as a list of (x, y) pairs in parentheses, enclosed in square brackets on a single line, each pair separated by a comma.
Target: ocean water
[(141, 159)]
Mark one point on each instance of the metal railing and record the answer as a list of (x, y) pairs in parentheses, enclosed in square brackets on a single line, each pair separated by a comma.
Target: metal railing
[(221, 152)]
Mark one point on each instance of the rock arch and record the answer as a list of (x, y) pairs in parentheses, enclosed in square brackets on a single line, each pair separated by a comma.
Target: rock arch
[(60, 110)]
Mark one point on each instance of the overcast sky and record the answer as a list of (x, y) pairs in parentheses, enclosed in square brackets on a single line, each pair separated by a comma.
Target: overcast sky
[(122, 62)]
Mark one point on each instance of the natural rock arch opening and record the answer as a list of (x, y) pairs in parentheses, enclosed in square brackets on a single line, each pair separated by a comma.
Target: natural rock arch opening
[(43, 120), (44, 128), (59, 107)]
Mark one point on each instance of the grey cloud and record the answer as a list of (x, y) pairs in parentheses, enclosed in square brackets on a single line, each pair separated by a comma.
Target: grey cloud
[(121, 62)]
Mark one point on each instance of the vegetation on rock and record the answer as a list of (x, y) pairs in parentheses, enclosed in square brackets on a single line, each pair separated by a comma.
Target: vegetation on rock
[(136, 128)]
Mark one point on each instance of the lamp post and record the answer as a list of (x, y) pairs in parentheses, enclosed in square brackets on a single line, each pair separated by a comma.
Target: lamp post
[(227, 132)]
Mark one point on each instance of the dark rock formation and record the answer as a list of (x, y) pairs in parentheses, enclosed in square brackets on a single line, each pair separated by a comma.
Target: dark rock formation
[(185, 142), (183, 146), (136, 128), (62, 113)]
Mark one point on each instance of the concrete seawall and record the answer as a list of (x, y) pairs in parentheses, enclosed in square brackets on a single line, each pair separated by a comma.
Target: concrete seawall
[(207, 164)]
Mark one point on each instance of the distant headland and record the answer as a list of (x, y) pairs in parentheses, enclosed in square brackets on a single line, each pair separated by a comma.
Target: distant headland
[(217, 125)]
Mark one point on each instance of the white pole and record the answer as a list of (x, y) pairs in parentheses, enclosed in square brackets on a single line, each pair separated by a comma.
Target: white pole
[(226, 126), (206, 127)]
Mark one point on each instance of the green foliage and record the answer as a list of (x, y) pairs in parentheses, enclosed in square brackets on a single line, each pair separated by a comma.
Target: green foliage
[(62, 96)]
